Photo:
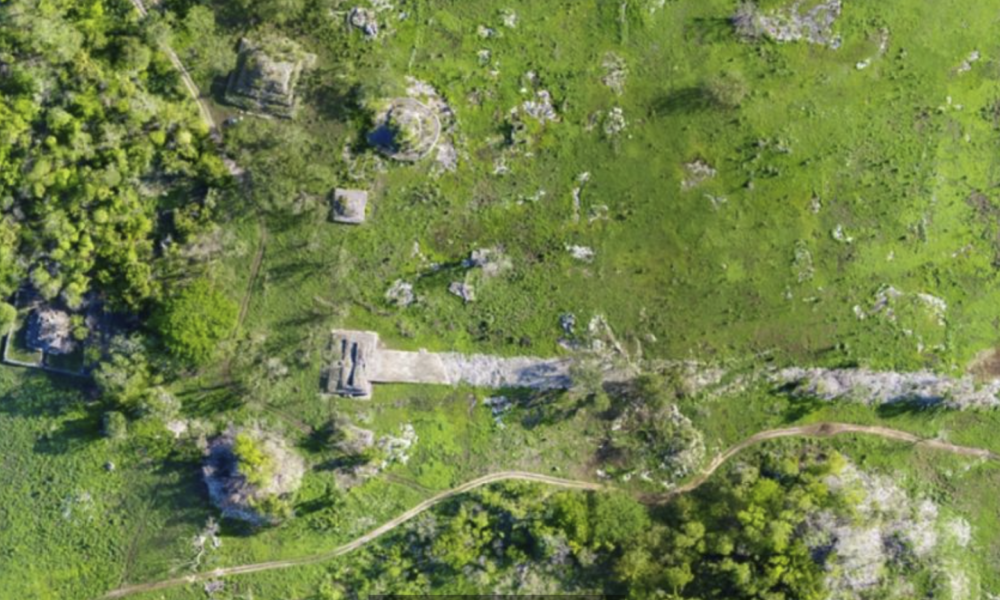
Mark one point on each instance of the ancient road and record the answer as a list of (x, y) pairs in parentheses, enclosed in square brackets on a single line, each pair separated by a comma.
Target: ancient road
[(822, 430)]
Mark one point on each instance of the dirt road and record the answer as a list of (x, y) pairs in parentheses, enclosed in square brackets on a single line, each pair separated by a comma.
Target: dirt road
[(364, 539), (192, 89), (825, 430), (816, 430)]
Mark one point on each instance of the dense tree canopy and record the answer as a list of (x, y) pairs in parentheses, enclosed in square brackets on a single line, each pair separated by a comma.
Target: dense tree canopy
[(193, 322), (96, 140)]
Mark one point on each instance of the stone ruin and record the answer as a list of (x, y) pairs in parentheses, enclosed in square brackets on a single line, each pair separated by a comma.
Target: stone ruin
[(365, 20), (231, 490), (266, 75), (809, 20), (359, 360), (51, 331), (349, 206), (406, 130)]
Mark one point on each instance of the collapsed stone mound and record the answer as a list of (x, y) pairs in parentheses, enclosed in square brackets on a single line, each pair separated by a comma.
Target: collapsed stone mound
[(266, 76), (51, 330), (252, 475), (808, 20), (406, 130)]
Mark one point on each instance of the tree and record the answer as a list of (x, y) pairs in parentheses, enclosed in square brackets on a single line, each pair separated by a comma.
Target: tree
[(617, 519), (11, 271), (727, 90), (115, 425), (124, 378), (193, 322), (8, 314)]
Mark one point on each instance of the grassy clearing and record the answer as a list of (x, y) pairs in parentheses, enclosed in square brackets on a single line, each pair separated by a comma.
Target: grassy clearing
[(888, 161), (70, 528)]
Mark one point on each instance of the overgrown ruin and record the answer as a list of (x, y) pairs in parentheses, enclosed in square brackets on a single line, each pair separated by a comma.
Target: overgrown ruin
[(359, 360), (266, 75)]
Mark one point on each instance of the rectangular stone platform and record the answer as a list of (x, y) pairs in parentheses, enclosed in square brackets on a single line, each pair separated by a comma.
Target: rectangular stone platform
[(359, 360)]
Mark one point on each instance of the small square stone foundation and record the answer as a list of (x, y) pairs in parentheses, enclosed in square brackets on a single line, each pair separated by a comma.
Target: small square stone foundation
[(349, 206)]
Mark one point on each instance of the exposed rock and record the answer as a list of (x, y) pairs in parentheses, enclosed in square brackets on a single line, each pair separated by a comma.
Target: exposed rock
[(582, 179), (406, 130), (840, 235), (581, 253), (696, 173), (540, 107), (214, 586), (400, 293), (615, 123), (615, 73), (568, 323), (960, 531), (806, 20), (365, 20), (462, 290), (966, 65), (888, 528), (490, 261), (509, 18), (501, 372), (411, 128), (922, 388), (396, 449), (177, 427)]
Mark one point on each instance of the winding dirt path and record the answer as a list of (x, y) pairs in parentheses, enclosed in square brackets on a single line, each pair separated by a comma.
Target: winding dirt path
[(821, 430), (189, 83), (824, 430), (364, 539), (206, 115)]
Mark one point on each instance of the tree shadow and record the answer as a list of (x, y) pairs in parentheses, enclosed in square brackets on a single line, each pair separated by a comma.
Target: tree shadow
[(709, 30), (342, 463), (43, 394), (209, 401), (683, 101), (922, 406), (320, 440), (73, 435), (297, 270), (799, 407), (333, 99), (187, 497), (217, 89), (546, 408)]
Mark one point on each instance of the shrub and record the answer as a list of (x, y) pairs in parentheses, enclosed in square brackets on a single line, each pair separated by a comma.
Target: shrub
[(193, 322), (727, 90)]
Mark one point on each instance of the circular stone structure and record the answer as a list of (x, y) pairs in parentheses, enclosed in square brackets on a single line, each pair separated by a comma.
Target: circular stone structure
[(407, 130)]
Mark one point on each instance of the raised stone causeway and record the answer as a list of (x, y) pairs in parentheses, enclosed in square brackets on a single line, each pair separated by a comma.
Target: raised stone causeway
[(359, 360)]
